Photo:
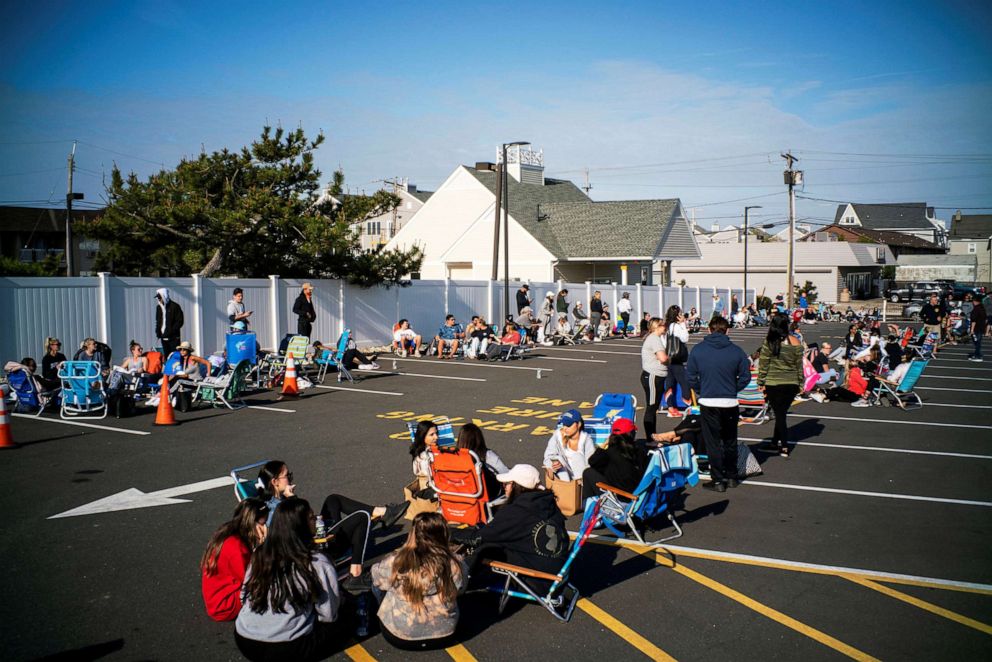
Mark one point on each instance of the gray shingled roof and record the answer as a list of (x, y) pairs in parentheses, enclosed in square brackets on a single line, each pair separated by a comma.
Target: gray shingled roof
[(423, 196), (570, 225), (973, 226), (895, 216)]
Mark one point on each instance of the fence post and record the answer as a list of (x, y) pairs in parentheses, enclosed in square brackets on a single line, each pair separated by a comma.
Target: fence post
[(640, 305), (198, 314), (274, 309), (104, 308), (699, 302), (682, 297), (661, 301), (489, 301), (341, 324), (446, 281), (588, 295), (614, 316)]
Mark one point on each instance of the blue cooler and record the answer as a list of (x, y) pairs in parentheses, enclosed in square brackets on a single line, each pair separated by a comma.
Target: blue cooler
[(240, 347)]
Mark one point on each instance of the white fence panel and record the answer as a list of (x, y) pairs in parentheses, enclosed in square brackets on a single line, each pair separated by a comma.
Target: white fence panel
[(672, 299), (371, 313), (422, 303), (217, 292), (470, 297), (326, 303), (35, 308), (133, 304)]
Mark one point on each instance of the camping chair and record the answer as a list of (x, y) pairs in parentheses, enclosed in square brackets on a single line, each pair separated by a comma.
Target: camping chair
[(276, 361), (82, 389), (27, 395), (335, 358), (445, 433), (902, 392), (225, 388), (245, 487), (752, 403), (670, 469), (924, 349), (456, 477), (562, 596), (615, 405)]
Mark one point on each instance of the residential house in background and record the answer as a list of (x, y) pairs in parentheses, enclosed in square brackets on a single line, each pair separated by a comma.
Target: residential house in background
[(910, 218), (555, 230), (899, 243), (971, 236), (31, 234), (732, 234), (376, 232)]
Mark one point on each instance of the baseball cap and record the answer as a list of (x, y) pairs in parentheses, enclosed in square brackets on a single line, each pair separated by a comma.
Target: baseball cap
[(623, 426), (522, 474), (570, 417)]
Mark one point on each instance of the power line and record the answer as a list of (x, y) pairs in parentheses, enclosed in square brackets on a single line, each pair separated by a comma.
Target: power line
[(666, 163), (887, 204), (112, 151), (727, 202)]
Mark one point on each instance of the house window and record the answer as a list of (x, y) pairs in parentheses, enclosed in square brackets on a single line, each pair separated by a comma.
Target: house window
[(972, 248), (848, 220), (372, 228)]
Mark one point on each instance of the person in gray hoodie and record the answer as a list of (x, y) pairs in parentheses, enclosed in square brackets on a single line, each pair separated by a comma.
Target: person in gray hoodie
[(168, 321), (717, 370)]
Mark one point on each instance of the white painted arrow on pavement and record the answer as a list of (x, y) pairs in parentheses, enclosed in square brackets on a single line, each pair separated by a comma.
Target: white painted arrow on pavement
[(134, 498)]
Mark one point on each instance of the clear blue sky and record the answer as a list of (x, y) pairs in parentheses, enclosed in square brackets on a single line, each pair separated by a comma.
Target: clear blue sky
[(704, 94)]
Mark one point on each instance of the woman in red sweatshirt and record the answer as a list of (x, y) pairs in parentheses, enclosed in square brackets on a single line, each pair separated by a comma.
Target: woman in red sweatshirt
[(226, 557)]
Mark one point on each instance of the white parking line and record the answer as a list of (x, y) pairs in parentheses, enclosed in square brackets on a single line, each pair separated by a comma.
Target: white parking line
[(591, 350), (471, 364), (958, 390), (420, 374), (880, 495), (908, 451), (948, 404), (937, 366), (563, 358), (81, 424), (357, 390), (878, 420), (972, 379), (278, 409)]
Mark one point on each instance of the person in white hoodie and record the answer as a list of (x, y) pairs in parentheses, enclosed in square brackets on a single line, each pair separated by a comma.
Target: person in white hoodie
[(569, 447), (168, 321)]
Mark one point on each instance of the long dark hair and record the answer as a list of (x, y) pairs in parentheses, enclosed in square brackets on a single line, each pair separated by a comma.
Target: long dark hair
[(672, 315), (420, 437), (268, 473), (778, 331), (628, 448), (242, 525), (425, 563), (281, 570), (470, 437)]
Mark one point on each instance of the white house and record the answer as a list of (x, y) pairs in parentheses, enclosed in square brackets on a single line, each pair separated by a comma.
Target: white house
[(830, 266), (555, 230), (912, 218)]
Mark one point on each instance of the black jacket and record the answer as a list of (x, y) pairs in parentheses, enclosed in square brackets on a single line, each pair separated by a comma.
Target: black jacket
[(531, 530), (173, 320), (304, 309), (522, 300), (596, 306), (619, 471)]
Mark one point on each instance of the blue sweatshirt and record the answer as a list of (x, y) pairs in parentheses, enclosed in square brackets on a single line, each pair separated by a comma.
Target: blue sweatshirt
[(718, 368)]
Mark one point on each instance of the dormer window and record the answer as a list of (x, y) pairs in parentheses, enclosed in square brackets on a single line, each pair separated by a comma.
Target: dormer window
[(848, 220)]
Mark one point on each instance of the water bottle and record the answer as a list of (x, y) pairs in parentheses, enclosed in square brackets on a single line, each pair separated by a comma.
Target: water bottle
[(363, 617), (321, 532)]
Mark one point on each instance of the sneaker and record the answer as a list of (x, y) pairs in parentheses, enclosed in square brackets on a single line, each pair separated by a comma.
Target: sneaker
[(861, 403), (394, 512), (801, 398), (597, 339), (366, 366), (417, 354), (975, 359), (402, 353), (819, 397), (674, 413)]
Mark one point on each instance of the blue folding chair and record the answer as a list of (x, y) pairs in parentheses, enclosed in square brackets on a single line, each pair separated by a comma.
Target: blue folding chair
[(445, 433), (335, 358), (246, 486), (670, 469), (902, 392), (82, 389), (607, 408), (28, 397), (562, 596)]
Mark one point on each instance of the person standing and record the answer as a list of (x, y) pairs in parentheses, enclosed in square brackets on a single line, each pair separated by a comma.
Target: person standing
[(561, 304), (236, 309), (979, 325), (547, 318), (168, 321), (718, 369), (523, 298), (677, 347), (654, 371), (932, 314), (596, 313), (304, 310), (717, 306), (780, 372), (623, 308)]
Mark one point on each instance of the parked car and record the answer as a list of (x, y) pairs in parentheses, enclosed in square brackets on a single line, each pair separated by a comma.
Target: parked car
[(961, 289), (912, 311), (918, 290)]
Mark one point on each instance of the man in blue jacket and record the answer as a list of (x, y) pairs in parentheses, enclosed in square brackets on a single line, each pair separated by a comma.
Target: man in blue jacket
[(718, 369)]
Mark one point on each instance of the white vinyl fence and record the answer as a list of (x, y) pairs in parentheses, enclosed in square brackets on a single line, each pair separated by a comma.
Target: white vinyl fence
[(116, 310)]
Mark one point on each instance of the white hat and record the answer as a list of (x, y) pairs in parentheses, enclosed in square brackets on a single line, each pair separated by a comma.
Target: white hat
[(549, 294), (523, 475)]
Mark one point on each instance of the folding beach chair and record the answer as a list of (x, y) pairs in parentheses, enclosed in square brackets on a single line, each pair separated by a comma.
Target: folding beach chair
[(561, 598), (752, 403), (28, 397), (445, 433), (670, 469), (82, 389), (224, 389), (902, 393), (335, 358), (246, 483), (615, 405), (456, 477), (924, 349), (274, 362)]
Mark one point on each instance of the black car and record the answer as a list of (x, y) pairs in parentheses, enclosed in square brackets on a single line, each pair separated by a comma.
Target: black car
[(916, 291), (977, 292)]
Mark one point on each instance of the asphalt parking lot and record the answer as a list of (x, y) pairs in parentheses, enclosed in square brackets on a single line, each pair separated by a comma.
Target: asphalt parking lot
[(872, 541)]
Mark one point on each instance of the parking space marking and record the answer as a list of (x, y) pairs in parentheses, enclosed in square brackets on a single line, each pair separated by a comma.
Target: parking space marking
[(81, 424), (909, 451), (958, 390), (951, 404), (460, 654), (954, 367), (880, 495), (763, 609), (880, 420), (971, 379), (922, 604), (564, 358), (278, 409), (591, 350), (481, 364), (624, 632), (358, 654), (800, 566), (421, 374), (357, 390)]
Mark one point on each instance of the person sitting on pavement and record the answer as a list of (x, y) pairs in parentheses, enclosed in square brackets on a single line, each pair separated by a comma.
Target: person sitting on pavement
[(470, 437), (448, 336), (50, 363), (424, 439), (406, 340), (418, 586), (92, 350), (349, 520), (222, 568), (563, 329), (291, 594), (620, 464), (569, 448), (130, 369)]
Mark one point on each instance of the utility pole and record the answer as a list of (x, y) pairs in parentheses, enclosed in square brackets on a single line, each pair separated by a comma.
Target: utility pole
[(746, 210), (506, 237), (499, 198), (69, 196), (792, 178)]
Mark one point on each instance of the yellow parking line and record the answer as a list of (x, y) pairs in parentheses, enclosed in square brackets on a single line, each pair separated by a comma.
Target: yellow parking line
[(460, 654), (766, 611), (358, 654), (624, 632), (922, 604)]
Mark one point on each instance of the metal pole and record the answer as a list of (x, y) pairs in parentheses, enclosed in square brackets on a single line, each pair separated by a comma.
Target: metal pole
[(506, 238), (792, 239), (499, 196), (745, 252), (68, 215)]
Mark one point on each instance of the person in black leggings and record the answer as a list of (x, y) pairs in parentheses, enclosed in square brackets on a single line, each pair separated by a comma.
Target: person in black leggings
[(780, 371), (654, 371)]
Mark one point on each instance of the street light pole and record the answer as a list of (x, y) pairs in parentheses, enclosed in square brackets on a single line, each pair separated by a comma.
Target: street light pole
[(746, 209), (506, 226)]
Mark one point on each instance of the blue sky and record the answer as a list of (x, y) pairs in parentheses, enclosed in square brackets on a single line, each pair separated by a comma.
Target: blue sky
[(704, 95)]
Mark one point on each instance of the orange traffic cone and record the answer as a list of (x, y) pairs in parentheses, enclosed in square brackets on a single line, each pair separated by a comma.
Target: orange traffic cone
[(289, 385), (6, 438), (165, 415)]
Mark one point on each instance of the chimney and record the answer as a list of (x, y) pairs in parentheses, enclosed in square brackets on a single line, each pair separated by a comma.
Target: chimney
[(715, 227), (485, 166), (524, 164)]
